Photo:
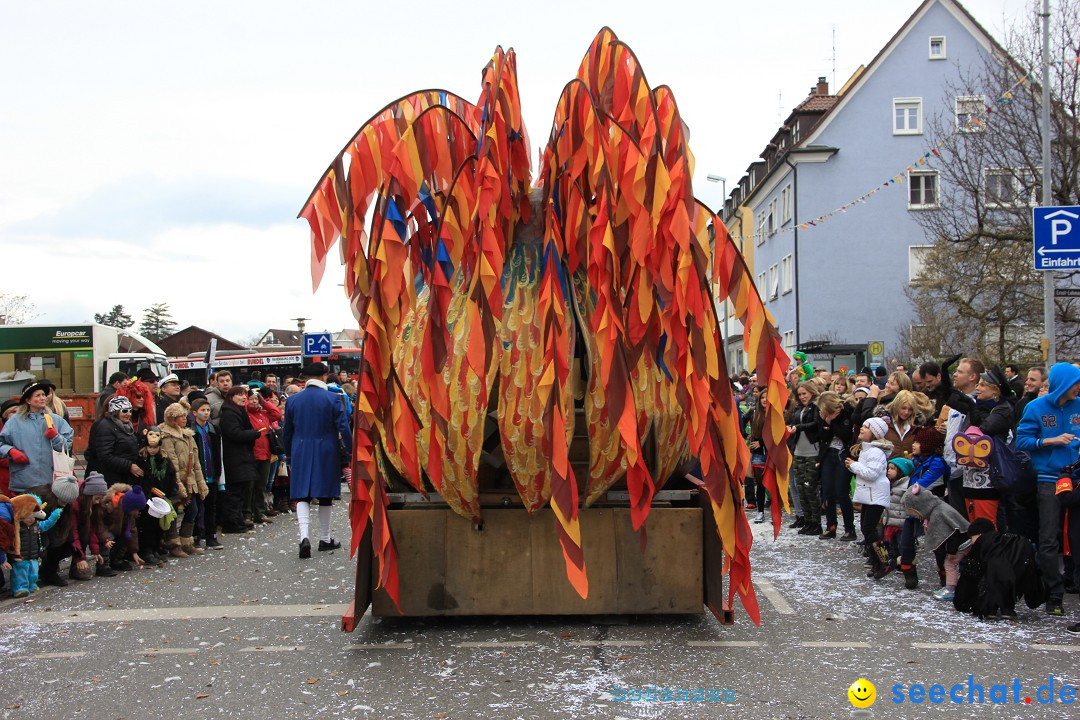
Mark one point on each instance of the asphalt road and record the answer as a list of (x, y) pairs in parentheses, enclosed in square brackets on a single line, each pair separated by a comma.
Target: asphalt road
[(252, 632)]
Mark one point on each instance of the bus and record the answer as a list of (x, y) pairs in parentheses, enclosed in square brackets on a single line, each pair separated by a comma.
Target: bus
[(243, 363)]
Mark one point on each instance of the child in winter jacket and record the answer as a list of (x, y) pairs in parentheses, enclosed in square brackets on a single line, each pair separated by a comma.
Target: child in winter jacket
[(899, 474), (29, 516), (945, 533), (158, 479), (929, 472), (872, 489)]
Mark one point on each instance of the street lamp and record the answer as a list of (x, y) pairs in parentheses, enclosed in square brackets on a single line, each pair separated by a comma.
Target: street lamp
[(723, 189)]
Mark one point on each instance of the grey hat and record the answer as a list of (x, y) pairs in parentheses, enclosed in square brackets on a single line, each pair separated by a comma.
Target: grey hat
[(94, 484), (66, 489)]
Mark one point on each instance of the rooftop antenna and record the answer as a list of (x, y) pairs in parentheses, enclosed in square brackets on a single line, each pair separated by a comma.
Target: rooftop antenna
[(834, 57)]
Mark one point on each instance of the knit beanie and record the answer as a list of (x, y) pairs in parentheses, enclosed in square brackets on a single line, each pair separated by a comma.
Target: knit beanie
[(931, 442), (878, 427), (66, 489), (905, 466), (94, 484), (133, 500)]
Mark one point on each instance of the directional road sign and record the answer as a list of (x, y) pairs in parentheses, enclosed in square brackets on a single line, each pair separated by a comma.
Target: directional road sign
[(1057, 237), (317, 344)]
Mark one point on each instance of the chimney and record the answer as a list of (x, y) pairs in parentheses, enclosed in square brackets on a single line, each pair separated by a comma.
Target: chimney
[(822, 86)]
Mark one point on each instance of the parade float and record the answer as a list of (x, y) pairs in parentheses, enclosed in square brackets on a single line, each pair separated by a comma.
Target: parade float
[(544, 421)]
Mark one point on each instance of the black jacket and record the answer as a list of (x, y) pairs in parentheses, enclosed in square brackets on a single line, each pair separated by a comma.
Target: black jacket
[(1000, 569), (237, 445), (806, 420), (996, 421), (111, 450), (840, 428)]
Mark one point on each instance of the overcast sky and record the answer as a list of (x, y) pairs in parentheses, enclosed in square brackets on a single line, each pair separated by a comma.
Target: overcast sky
[(154, 152)]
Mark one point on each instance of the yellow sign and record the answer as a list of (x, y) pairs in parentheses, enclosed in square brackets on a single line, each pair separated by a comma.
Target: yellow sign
[(876, 348)]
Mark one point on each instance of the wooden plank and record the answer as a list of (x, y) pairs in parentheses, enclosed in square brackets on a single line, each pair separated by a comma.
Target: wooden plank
[(667, 577), (419, 536), (554, 595), (489, 571), (713, 562), (362, 589)]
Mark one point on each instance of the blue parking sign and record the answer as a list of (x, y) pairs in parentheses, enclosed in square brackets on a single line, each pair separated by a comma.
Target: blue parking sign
[(1057, 237), (317, 344)]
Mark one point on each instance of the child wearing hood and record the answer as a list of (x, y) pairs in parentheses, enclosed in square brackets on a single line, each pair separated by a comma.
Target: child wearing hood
[(869, 463), (945, 531)]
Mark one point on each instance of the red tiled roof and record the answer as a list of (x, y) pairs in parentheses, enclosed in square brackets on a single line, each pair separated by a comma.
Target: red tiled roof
[(817, 103)]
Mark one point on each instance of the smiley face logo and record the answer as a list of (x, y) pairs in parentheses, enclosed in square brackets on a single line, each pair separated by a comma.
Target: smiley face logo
[(862, 693)]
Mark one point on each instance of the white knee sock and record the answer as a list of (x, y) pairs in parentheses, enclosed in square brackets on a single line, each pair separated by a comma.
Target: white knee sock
[(324, 522), (303, 518)]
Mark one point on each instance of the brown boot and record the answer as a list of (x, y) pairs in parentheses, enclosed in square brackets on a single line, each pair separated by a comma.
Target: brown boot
[(177, 552), (187, 544)]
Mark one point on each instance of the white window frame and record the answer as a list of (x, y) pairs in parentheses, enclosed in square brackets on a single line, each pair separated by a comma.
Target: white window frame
[(761, 284), (788, 339), (907, 101), (937, 190), (787, 284), (785, 205), (771, 217), (915, 264), (1017, 176), (980, 100), (760, 232), (774, 281), (930, 47)]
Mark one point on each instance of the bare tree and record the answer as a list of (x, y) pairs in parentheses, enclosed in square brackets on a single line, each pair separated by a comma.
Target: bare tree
[(990, 176), (993, 298), (16, 309)]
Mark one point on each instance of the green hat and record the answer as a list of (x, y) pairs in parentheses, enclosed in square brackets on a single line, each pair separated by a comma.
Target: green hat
[(905, 466)]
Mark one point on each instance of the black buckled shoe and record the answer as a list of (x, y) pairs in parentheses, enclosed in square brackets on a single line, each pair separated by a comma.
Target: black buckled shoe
[(332, 545)]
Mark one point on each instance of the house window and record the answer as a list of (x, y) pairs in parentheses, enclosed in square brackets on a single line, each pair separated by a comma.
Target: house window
[(1006, 187), (774, 282), (907, 116), (785, 205), (761, 228), (968, 109), (917, 255), (786, 274), (772, 217), (922, 190), (761, 284), (789, 341), (937, 47)]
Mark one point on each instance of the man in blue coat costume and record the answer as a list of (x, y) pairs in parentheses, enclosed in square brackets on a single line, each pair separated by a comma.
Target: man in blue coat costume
[(317, 442)]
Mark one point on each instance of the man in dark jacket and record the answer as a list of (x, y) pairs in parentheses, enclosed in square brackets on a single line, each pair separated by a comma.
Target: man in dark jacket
[(168, 393), (317, 441), (1033, 382), (116, 381)]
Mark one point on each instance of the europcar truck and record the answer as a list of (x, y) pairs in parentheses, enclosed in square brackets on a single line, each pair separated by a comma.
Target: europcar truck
[(78, 359)]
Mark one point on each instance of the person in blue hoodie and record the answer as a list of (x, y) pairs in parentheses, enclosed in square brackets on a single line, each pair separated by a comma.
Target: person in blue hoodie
[(1048, 432)]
